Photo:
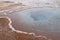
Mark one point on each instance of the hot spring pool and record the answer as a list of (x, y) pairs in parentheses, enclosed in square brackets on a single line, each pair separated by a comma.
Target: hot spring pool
[(44, 19)]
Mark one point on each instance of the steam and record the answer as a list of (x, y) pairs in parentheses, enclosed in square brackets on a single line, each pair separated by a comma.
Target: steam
[(40, 17), (37, 14)]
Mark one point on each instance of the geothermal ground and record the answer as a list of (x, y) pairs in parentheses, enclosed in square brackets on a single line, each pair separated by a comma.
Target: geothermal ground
[(30, 24)]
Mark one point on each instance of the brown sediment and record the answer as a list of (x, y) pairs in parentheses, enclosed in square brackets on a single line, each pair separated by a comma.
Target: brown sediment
[(7, 32)]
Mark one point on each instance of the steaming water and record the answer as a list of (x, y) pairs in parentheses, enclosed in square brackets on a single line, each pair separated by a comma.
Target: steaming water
[(42, 18)]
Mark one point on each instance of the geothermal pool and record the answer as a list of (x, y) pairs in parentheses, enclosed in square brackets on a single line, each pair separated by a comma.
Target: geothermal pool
[(42, 21)]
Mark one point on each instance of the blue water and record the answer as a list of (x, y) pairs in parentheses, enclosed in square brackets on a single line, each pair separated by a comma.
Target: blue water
[(41, 14), (44, 18)]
